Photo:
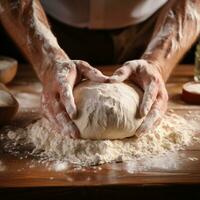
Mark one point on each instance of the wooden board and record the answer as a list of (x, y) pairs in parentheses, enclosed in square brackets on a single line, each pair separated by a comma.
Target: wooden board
[(18, 173)]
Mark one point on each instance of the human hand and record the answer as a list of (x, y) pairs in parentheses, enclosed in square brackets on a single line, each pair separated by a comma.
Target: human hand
[(57, 98), (146, 75)]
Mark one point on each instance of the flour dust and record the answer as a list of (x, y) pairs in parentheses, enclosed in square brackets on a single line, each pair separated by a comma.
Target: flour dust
[(158, 148)]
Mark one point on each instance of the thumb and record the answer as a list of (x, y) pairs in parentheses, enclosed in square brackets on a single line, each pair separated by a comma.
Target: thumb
[(67, 99), (120, 74), (90, 72)]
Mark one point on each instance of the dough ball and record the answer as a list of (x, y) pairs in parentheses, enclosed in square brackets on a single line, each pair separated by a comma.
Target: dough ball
[(107, 110)]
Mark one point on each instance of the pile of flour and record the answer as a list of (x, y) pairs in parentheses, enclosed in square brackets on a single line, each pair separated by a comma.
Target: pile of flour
[(174, 133)]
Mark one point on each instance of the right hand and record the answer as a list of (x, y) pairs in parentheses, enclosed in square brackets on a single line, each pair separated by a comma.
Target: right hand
[(57, 98), (147, 76)]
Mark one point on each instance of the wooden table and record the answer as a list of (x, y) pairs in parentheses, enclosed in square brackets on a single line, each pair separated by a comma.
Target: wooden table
[(18, 174)]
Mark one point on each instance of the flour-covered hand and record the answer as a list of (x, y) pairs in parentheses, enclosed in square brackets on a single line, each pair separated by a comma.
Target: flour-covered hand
[(146, 75), (57, 98)]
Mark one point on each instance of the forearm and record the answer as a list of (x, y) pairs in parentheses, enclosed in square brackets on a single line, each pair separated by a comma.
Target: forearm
[(26, 23), (176, 29)]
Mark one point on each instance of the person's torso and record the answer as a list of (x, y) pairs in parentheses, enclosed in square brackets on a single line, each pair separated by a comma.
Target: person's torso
[(102, 14)]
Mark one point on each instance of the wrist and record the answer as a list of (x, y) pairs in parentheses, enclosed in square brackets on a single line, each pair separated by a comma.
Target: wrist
[(50, 65), (155, 63)]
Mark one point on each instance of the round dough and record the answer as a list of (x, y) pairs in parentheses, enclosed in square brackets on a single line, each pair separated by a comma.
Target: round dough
[(107, 110)]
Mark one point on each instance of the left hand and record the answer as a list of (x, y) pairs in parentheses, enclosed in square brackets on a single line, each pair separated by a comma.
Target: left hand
[(58, 104), (146, 75)]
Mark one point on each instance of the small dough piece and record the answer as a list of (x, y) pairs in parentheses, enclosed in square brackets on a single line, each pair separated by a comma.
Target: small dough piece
[(8, 105), (8, 69), (107, 110)]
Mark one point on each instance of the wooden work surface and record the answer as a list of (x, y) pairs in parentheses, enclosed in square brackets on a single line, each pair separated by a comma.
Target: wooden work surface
[(18, 173)]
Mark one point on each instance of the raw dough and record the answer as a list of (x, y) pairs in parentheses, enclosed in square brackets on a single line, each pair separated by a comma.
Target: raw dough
[(107, 110)]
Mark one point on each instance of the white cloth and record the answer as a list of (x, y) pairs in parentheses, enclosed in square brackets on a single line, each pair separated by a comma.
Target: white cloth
[(101, 14)]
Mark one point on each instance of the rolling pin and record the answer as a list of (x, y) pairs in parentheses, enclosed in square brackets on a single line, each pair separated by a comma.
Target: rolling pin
[(8, 69), (8, 105)]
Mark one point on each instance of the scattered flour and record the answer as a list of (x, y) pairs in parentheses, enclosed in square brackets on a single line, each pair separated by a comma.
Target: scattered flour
[(166, 161), (193, 158), (174, 133), (59, 166)]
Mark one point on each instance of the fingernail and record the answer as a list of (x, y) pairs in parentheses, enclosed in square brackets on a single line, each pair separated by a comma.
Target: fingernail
[(140, 131), (139, 134), (108, 80), (144, 112), (113, 78), (73, 115), (71, 110), (105, 79), (72, 135), (75, 135)]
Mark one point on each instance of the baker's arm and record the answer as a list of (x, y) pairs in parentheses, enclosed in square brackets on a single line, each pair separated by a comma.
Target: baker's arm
[(176, 29), (26, 23)]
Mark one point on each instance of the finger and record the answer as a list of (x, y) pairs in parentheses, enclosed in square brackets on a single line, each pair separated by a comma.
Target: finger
[(67, 99), (65, 81), (90, 72), (153, 117), (129, 68), (120, 74), (58, 117), (149, 97), (149, 122), (67, 127), (48, 111)]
